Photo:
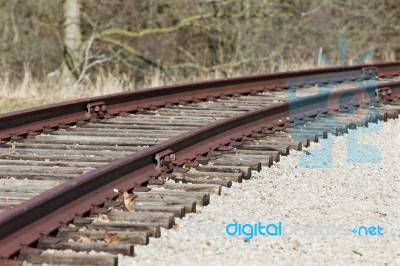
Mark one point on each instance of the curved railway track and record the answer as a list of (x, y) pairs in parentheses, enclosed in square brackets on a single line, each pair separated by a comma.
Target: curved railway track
[(91, 174)]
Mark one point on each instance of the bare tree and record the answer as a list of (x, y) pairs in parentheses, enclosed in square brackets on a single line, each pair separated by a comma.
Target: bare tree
[(186, 39), (72, 36)]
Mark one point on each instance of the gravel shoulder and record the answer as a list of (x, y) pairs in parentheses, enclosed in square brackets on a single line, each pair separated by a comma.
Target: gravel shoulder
[(347, 194)]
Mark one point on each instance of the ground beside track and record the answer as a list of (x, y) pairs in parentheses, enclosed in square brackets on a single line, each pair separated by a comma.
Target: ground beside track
[(351, 194)]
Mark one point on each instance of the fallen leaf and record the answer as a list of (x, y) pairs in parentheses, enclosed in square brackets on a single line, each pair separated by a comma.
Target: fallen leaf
[(111, 238), (103, 217), (83, 239), (128, 201)]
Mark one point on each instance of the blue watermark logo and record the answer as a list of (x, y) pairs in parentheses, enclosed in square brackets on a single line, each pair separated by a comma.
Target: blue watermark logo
[(368, 230), (356, 152), (279, 229), (251, 230)]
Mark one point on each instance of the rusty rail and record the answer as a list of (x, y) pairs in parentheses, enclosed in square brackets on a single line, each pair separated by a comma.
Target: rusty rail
[(21, 123), (26, 223)]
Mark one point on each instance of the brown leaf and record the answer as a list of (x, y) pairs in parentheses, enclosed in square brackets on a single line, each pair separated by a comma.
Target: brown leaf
[(103, 217), (128, 201), (83, 239), (111, 238)]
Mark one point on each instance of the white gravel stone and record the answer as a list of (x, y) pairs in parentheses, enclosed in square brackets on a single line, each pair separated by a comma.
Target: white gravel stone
[(354, 194)]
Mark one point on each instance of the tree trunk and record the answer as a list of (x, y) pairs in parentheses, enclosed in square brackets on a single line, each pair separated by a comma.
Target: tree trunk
[(72, 36)]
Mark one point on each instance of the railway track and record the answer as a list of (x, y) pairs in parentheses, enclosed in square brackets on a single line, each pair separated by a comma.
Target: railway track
[(106, 173)]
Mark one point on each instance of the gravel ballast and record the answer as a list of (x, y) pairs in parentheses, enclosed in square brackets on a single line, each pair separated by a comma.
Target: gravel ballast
[(325, 204)]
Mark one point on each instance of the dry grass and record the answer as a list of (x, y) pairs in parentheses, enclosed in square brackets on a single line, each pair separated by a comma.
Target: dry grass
[(29, 91)]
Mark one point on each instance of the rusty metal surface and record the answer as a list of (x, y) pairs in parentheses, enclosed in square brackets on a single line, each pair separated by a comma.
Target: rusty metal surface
[(27, 222), (20, 123)]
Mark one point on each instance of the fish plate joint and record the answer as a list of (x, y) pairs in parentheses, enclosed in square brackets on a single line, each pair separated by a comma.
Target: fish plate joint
[(165, 161), (369, 72), (97, 110), (384, 94)]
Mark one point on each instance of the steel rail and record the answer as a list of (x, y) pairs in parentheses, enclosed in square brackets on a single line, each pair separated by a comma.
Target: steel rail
[(27, 222), (21, 123)]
